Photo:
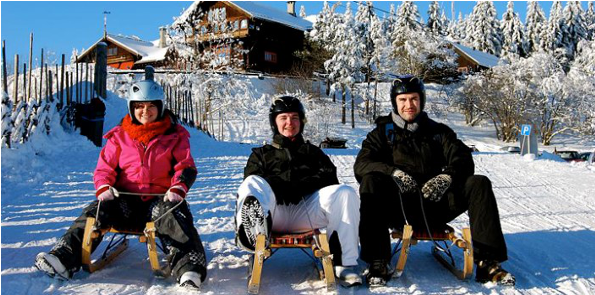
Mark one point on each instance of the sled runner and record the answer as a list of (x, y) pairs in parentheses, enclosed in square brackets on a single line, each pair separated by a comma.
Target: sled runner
[(117, 246), (314, 239), (446, 234)]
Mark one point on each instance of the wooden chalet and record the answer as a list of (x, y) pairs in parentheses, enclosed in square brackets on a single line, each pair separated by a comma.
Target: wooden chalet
[(264, 38), (127, 53), (471, 60)]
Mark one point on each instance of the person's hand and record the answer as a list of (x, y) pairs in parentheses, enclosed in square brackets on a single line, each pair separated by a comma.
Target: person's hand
[(405, 182), (106, 193), (175, 194), (435, 188)]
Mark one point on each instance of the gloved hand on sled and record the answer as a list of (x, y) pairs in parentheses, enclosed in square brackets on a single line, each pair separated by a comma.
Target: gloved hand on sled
[(106, 193), (175, 194), (435, 188), (405, 182)]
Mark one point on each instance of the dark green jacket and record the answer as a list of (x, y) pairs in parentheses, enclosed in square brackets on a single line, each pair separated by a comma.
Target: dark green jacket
[(293, 169)]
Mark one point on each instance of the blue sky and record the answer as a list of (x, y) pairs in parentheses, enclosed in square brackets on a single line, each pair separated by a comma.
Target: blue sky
[(60, 26)]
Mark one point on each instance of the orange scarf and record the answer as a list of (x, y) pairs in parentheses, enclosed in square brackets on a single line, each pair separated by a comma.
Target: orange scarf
[(144, 133)]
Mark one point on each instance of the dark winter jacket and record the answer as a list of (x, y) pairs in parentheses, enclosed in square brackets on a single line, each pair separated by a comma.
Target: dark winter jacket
[(432, 149), (293, 169)]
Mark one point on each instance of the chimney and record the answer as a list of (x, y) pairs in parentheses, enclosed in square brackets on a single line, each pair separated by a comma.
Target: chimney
[(162, 33), (291, 7)]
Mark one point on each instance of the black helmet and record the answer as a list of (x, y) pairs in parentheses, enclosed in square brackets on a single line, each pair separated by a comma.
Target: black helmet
[(286, 104), (407, 84)]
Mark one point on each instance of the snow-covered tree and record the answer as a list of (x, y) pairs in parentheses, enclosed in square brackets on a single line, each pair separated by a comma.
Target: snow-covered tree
[(551, 37), (435, 21), (457, 29), (581, 85), (391, 20), (7, 122), (344, 67), (535, 24), (382, 56), (590, 21), (574, 23), (363, 20), (407, 20), (513, 33), (483, 32), (303, 11)]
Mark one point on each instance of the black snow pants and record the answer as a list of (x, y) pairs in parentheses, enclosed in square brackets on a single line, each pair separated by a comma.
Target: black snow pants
[(176, 231), (381, 210)]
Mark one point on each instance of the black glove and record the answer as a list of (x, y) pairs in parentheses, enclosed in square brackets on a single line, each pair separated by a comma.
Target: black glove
[(435, 188), (405, 182)]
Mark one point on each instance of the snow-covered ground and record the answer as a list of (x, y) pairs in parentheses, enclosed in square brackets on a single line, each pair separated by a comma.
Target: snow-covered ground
[(547, 208)]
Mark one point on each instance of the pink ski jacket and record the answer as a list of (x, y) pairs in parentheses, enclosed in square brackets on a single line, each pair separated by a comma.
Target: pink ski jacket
[(129, 166)]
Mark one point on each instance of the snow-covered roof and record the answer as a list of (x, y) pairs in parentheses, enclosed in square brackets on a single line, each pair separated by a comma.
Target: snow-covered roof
[(147, 51), (258, 10), (481, 58)]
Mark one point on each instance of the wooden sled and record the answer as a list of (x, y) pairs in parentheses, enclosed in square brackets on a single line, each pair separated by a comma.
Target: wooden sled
[(116, 247), (408, 237), (314, 240)]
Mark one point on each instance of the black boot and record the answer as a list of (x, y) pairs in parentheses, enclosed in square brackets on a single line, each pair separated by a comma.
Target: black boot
[(378, 273), (491, 271)]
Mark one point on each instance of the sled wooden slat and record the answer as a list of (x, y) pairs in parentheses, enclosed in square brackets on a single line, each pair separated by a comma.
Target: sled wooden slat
[(410, 237), (147, 236), (309, 239)]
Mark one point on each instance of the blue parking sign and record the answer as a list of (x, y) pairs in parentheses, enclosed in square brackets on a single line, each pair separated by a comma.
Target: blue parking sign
[(526, 129)]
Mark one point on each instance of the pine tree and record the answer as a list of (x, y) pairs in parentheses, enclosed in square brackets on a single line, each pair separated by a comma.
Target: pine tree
[(434, 23), (551, 37), (513, 34), (535, 24), (391, 20), (344, 67), (483, 32), (303, 11), (457, 29), (407, 18), (590, 21), (574, 20), (363, 20)]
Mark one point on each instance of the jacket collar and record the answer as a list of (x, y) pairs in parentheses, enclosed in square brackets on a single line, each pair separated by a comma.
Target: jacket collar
[(280, 141), (410, 126)]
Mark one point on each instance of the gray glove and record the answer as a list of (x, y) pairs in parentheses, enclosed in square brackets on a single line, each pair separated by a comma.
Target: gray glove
[(435, 188), (405, 182)]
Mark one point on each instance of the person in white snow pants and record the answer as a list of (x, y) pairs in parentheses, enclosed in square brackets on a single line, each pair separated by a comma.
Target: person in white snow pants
[(291, 186)]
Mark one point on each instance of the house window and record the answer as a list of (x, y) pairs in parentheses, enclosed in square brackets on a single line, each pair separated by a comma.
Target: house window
[(236, 25), (112, 51), (244, 24), (203, 30), (270, 56)]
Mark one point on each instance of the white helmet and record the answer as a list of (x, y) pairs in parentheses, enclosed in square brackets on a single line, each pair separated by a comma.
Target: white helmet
[(146, 90)]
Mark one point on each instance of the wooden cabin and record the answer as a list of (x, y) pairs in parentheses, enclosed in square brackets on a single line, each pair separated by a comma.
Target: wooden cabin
[(126, 53), (471, 60), (264, 39)]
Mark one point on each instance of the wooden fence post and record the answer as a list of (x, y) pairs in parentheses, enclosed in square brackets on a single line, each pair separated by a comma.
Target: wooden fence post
[(101, 69), (24, 82), (149, 73), (41, 77), (50, 97), (86, 81), (62, 82), (4, 79), (15, 89), (76, 93), (30, 66)]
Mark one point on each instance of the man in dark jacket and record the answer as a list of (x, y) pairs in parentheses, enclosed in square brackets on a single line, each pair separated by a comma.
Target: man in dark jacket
[(413, 169), (291, 186)]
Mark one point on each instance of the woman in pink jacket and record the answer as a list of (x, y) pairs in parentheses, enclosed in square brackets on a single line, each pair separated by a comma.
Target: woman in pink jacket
[(148, 153)]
